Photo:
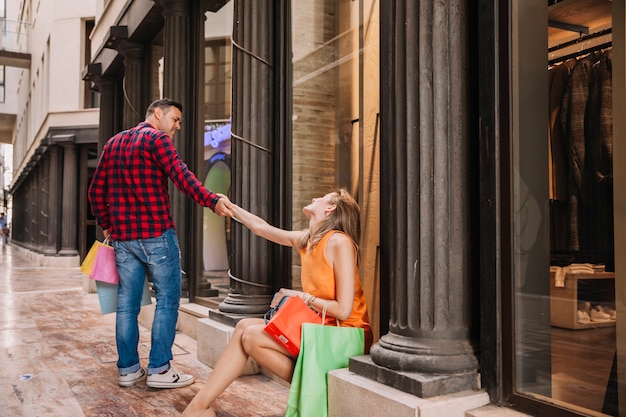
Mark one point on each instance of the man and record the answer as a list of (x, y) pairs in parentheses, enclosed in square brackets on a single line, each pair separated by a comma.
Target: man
[(129, 198), (4, 230)]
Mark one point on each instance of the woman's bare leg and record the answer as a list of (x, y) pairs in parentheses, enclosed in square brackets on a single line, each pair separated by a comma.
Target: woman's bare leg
[(267, 352), (249, 339), (229, 366)]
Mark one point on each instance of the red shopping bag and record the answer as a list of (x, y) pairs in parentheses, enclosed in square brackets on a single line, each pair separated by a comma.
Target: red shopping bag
[(104, 268), (286, 325)]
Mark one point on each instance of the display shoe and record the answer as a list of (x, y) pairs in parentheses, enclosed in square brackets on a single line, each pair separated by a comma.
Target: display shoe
[(610, 311), (169, 379), (583, 317), (584, 306), (599, 315), (131, 379)]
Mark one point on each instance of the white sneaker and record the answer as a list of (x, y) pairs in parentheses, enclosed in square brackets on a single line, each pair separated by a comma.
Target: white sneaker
[(129, 380), (583, 317), (598, 315), (610, 311), (170, 379)]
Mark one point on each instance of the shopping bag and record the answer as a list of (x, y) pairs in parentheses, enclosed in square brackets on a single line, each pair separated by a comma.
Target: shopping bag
[(107, 294), (104, 268), (323, 349), (87, 264), (286, 324)]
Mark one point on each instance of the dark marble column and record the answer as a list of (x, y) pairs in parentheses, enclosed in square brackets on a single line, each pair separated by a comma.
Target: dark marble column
[(35, 173), (425, 238), (53, 213), (134, 83), (254, 261), (69, 217), (177, 85), (110, 115)]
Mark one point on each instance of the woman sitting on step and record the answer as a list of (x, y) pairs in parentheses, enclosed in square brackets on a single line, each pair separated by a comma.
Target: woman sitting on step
[(330, 275)]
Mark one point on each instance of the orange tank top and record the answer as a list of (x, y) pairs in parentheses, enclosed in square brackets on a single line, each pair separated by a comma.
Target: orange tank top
[(318, 279)]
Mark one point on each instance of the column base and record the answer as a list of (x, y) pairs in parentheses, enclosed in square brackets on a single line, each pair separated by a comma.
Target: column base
[(351, 395), (229, 319), (246, 304), (416, 383)]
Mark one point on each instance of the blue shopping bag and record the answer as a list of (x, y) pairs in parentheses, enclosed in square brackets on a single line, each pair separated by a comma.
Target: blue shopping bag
[(107, 293)]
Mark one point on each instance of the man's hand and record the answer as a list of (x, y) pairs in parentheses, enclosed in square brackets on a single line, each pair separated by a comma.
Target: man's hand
[(106, 233), (223, 206)]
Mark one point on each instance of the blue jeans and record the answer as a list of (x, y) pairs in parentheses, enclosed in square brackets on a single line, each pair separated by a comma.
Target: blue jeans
[(160, 256)]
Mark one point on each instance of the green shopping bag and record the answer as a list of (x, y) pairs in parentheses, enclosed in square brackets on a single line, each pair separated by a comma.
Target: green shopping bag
[(323, 348)]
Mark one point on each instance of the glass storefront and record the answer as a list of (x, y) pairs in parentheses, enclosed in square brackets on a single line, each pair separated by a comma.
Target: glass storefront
[(216, 141), (335, 123), (335, 96), (563, 261)]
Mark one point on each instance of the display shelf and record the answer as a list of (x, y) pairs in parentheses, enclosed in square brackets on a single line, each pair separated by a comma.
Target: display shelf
[(596, 288)]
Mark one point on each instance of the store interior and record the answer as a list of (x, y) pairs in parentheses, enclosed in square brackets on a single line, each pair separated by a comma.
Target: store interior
[(582, 279)]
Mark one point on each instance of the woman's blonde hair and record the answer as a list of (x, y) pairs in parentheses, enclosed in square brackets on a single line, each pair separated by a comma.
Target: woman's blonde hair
[(346, 218)]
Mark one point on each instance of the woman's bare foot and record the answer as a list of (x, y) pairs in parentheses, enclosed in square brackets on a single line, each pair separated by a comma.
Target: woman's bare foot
[(199, 413)]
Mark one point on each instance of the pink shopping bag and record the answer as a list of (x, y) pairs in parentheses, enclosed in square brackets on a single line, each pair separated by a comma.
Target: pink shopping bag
[(104, 268)]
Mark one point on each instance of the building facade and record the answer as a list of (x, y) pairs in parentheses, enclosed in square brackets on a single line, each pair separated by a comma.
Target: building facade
[(55, 129), (490, 204)]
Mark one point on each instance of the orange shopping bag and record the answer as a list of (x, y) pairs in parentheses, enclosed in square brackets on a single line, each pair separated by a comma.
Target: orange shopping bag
[(286, 325)]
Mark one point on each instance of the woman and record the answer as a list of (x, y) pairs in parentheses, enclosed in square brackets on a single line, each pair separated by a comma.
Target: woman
[(328, 249)]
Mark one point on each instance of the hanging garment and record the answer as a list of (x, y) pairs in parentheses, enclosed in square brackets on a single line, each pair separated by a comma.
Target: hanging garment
[(572, 125), (596, 223), (558, 181)]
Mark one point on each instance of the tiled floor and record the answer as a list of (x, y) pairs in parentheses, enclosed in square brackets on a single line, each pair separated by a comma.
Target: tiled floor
[(57, 355)]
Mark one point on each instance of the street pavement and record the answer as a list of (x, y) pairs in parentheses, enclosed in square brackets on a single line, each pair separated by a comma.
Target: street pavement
[(58, 355)]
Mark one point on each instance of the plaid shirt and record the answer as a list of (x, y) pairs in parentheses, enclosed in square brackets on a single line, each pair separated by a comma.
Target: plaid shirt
[(129, 189)]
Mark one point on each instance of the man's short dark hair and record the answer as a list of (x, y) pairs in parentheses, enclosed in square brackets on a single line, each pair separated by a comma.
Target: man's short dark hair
[(164, 104)]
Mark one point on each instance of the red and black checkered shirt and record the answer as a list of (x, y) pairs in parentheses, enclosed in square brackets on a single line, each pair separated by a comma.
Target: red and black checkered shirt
[(129, 190)]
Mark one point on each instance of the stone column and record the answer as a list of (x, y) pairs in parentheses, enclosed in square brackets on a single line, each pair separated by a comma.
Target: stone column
[(110, 115), (255, 263), (425, 237), (35, 174), (177, 85), (69, 217), (53, 214), (134, 83)]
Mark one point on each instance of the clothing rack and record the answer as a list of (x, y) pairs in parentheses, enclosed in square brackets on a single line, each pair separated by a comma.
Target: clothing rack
[(580, 53)]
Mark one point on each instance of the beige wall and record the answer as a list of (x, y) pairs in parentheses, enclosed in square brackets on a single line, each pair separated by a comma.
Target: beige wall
[(53, 86)]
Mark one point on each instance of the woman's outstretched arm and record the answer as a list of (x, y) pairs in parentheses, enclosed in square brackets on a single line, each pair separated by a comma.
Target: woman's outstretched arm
[(261, 228)]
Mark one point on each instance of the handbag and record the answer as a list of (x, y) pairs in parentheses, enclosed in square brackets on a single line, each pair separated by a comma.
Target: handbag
[(87, 264), (323, 349), (104, 268), (272, 311), (286, 323)]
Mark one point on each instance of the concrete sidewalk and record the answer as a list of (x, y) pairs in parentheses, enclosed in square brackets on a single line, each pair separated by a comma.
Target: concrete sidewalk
[(58, 355)]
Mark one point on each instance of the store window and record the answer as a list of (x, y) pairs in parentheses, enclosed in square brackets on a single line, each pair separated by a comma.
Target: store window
[(335, 96), (216, 146), (91, 98), (563, 257)]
